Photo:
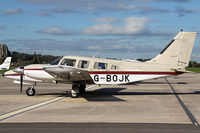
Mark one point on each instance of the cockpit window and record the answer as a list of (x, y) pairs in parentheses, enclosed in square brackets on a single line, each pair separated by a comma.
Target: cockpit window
[(68, 62), (83, 64), (100, 65), (56, 61)]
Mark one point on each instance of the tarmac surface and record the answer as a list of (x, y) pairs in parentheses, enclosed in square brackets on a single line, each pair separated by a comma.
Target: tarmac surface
[(165, 104)]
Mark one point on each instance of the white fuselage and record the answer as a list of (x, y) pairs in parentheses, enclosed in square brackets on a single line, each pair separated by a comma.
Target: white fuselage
[(123, 72), (38, 74), (122, 78), (32, 73), (15, 76)]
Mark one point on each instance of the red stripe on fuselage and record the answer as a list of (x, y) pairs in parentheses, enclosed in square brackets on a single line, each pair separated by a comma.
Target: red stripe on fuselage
[(128, 72), (134, 72), (12, 75)]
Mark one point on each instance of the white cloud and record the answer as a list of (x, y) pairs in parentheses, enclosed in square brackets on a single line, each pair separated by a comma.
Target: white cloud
[(109, 45), (2, 27), (89, 2), (105, 19), (195, 56), (94, 47), (133, 25), (13, 11), (104, 6), (182, 10), (77, 6), (56, 31), (57, 10), (110, 26)]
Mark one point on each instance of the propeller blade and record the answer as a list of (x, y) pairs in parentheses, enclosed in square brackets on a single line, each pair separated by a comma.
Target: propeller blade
[(21, 82)]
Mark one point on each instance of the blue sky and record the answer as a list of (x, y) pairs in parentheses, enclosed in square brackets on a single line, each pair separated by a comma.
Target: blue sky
[(114, 28)]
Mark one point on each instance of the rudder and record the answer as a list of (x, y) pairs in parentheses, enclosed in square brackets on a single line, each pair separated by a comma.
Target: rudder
[(178, 51)]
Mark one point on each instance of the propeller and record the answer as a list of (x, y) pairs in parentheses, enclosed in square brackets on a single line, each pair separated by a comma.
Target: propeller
[(21, 82), (20, 70)]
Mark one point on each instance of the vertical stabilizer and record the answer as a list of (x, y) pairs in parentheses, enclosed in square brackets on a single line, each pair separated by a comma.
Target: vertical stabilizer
[(6, 63), (178, 51)]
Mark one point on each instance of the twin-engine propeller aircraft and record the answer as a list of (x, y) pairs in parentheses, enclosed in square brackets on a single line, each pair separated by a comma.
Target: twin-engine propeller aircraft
[(6, 64), (80, 71)]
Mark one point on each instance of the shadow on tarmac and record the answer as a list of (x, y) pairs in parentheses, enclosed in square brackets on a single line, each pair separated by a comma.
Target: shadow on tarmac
[(109, 94), (155, 83), (102, 94)]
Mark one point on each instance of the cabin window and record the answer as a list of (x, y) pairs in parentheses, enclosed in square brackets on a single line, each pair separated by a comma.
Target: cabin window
[(100, 65), (68, 62), (83, 64), (114, 67)]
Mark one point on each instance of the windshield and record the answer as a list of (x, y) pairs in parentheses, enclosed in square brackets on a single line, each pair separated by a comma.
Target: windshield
[(56, 61), (68, 62)]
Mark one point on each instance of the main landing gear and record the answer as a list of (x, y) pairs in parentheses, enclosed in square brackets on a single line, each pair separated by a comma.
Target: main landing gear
[(30, 91), (77, 90)]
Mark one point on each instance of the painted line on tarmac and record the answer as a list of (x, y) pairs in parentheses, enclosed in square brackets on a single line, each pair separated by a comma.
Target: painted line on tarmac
[(77, 100), (35, 106), (187, 111), (29, 108)]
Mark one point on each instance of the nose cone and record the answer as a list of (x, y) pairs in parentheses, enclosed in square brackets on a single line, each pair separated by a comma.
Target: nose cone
[(6, 73), (9, 73), (19, 70)]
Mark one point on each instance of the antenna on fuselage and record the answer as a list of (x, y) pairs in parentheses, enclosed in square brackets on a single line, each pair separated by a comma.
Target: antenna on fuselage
[(96, 53), (126, 55)]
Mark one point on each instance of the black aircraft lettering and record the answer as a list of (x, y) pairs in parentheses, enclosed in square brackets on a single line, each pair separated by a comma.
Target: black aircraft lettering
[(96, 78)]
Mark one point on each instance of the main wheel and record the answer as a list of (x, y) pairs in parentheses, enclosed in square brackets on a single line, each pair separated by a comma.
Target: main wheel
[(82, 88), (74, 94), (30, 91)]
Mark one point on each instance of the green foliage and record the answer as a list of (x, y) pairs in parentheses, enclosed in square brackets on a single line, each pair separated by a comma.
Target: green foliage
[(194, 64), (1, 60), (3, 71), (194, 69), (21, 59)]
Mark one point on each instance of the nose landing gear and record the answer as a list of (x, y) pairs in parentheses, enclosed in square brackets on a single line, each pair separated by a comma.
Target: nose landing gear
[(30, 91)]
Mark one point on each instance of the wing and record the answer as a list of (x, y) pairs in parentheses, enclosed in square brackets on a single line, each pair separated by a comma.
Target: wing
[(68, 74)]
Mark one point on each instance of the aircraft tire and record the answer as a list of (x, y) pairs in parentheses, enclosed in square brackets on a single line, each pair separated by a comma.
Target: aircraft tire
[(30, 91), (82, 89), (74, 94)]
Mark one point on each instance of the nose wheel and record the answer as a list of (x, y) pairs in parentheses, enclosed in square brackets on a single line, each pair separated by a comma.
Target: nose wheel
[(30, 91)]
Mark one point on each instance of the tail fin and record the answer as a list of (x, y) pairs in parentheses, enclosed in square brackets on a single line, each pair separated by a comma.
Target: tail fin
[(6, 63), (178, 51)]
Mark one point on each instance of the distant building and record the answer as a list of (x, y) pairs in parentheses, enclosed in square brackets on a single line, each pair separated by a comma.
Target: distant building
[(3, 51)]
